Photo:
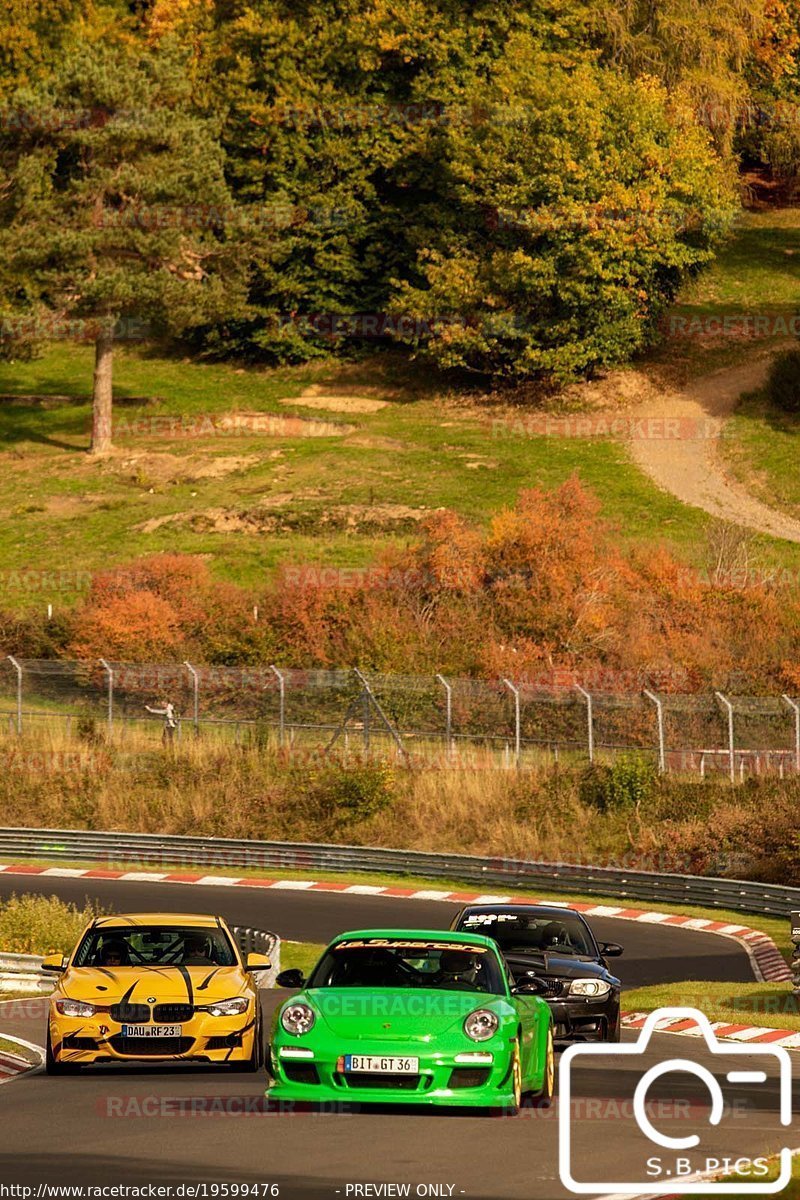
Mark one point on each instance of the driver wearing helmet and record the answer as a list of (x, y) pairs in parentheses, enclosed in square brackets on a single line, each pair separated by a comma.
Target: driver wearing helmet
[(113, 953), (457, 969), (196, 951), (555, 934)]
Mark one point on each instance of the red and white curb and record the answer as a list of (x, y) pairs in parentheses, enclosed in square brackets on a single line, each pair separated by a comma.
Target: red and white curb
[(765, 957), (13, 1065), (752, 1034)]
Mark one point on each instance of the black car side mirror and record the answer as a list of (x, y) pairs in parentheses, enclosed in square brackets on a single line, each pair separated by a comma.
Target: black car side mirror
[(610, 950), (293, 978)]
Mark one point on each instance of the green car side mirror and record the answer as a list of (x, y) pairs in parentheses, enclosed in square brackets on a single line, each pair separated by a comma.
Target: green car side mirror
[(293, 978)]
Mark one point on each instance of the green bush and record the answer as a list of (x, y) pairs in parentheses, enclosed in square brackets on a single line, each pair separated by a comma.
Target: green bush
[(627, 782), (88, 731), (338, 796), (783, 384), (41, 924)]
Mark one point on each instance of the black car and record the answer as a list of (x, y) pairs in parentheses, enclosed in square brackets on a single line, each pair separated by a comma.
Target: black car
[(553, 950)]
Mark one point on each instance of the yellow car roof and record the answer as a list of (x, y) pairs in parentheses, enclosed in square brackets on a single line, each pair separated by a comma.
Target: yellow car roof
[(201, 920)]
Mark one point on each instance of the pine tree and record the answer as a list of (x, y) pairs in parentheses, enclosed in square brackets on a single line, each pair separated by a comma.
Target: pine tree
[(114, 210)]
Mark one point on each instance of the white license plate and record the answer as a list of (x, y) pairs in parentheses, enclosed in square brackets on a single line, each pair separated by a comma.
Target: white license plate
[(164, 1031), (374, 1064)]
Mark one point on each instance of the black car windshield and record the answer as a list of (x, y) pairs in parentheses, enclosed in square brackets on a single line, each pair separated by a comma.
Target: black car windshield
[(386, 963), (526, 932), (156, 946)]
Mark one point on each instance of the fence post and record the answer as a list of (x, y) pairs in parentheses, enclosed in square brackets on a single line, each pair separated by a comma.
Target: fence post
[(18, 669), (589, 720), (365, 698), (110, 678), (517, 730), (195, 698), (662, 758), (448, 691), (731, 745), (281, 702), (796, 709)]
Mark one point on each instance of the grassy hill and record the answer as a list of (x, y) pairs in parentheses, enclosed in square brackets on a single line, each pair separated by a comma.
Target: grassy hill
[(209, 460)]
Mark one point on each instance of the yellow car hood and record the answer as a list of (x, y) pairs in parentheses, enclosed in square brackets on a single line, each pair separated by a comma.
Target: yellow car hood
[(194, 985)]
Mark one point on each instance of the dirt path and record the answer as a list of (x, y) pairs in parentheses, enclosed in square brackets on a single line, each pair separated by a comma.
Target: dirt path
[(675, 440)]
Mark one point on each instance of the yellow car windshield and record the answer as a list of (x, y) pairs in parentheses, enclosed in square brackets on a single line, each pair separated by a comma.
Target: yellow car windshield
[(155, 946)]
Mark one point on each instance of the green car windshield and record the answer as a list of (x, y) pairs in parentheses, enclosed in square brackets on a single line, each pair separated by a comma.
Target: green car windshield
[(383, 963)]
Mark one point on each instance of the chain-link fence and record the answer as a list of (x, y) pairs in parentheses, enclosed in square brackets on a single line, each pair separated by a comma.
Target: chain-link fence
[(455, 721)]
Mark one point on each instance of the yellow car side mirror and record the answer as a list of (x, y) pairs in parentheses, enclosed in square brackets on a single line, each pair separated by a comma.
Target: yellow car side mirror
[(257, 962), (53, 962)]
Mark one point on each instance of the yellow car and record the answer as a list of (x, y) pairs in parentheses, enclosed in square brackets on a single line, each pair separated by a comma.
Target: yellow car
[(158, 987)]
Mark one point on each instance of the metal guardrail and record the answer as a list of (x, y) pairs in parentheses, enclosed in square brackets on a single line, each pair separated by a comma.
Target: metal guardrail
[(167, 852), (23, 973)]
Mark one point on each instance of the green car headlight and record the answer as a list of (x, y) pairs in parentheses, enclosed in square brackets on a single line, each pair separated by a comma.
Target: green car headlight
[(297, 1019), (589, 987), (227, 1008), (481, 1025)]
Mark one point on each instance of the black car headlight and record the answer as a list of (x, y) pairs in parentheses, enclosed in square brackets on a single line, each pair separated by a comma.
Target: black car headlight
[(593, 989)]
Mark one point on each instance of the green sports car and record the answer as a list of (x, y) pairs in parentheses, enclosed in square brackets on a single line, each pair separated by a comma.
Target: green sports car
[(412, 1016)]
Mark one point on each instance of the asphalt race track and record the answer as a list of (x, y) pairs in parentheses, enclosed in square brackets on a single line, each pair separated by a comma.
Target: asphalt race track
[(143, 1125), (653, 953)]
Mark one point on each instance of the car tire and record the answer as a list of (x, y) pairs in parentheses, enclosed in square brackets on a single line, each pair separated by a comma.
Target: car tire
[(51, 1064), (546, 1091), (613, 1033), (255, 1061), (516, 1076)]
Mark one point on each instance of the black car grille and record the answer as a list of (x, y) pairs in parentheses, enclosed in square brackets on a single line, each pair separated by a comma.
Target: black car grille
[(73, 1042), (130, 1014), (469, 1077), (172, 1014), (554, 987), (404, 1083), (301, 1072), (226, 1041), (146, 1047)]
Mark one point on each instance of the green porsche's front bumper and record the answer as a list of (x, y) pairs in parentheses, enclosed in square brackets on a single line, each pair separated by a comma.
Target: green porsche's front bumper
[(457, 1077)]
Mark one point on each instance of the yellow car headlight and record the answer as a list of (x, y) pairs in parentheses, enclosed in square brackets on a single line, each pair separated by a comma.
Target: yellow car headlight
[(75, 1008), (226, 1008)]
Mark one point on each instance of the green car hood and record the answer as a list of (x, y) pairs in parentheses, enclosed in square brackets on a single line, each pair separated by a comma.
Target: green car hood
[(397, 1013)]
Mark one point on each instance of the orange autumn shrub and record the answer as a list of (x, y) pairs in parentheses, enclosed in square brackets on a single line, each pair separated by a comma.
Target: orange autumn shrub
[(544, 592)]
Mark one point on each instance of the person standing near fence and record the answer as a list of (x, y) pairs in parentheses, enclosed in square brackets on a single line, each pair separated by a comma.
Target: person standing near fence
[(167, 711)]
